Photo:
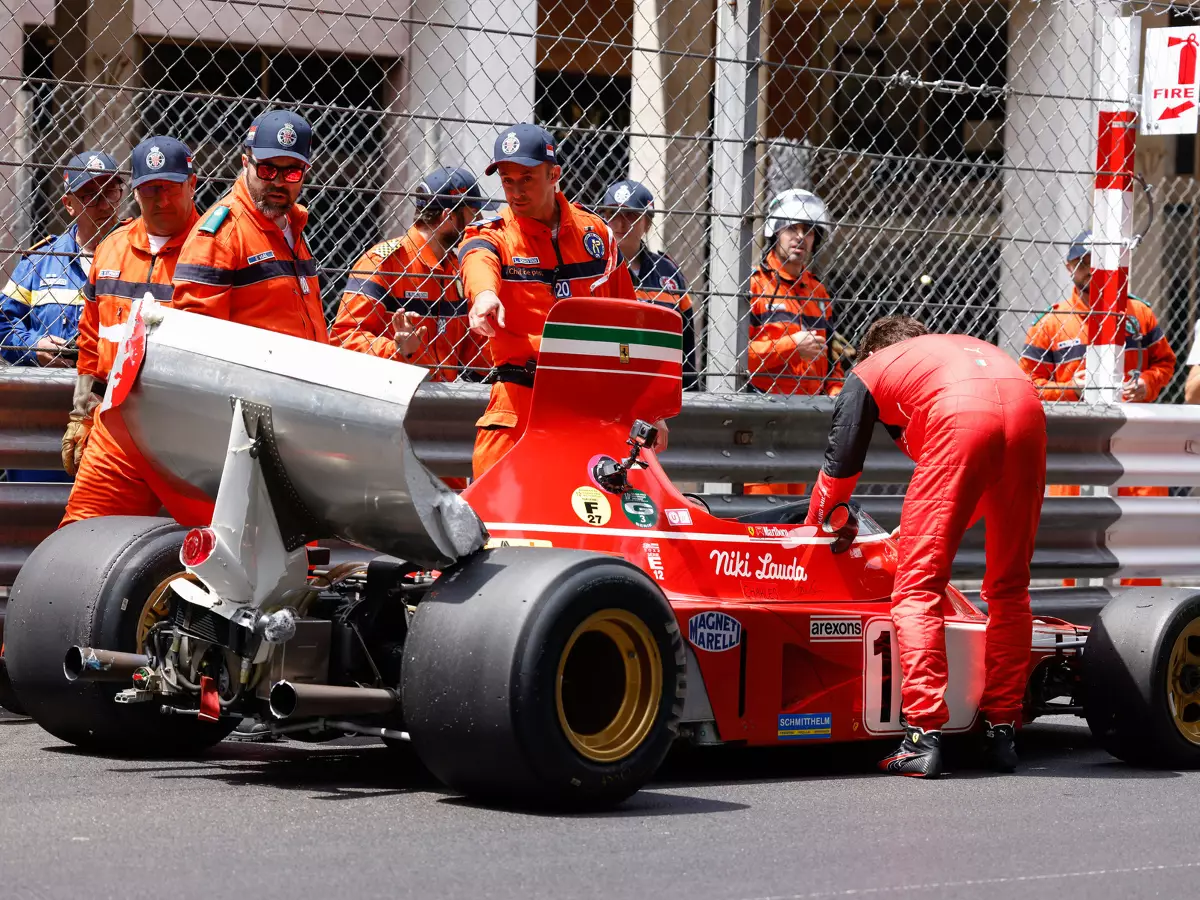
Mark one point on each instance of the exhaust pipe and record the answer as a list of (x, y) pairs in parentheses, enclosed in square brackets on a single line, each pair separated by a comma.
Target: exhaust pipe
[(305, 701), (90, 664)]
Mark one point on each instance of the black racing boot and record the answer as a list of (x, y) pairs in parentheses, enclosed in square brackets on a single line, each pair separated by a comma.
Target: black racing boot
[(251, 730), (999, 747), (918, 756)]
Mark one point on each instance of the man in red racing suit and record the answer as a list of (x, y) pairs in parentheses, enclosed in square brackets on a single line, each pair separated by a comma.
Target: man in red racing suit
[(972, 422)]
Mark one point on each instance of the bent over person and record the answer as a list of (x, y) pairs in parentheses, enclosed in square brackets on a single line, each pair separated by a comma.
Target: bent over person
[(972, 422)]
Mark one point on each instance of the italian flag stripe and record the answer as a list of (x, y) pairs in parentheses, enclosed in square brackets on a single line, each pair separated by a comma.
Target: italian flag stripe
[(609, 335)]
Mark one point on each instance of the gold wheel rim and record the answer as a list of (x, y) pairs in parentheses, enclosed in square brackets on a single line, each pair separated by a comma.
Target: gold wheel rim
[(158, 606), (1183, 682), (608, 686)]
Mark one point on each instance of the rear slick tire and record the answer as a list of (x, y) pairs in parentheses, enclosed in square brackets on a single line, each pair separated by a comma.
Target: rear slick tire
[(88, 584), (1141, 678), (543, 678)]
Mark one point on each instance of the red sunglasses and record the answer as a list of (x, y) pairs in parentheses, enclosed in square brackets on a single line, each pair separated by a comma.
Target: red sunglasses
[(290, 174)]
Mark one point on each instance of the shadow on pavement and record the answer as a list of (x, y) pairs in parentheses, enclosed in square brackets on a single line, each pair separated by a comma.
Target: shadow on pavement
[(355, 769), (646, 803), (334, 771), (1047, 750)]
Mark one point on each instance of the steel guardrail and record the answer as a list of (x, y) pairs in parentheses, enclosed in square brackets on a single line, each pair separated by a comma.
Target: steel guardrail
[(740, 438)]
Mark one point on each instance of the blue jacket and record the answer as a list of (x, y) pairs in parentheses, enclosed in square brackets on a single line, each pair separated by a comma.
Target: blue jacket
[(43, 297)]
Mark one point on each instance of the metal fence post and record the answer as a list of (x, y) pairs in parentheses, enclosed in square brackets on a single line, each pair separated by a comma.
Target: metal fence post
[(1116, 70), (735, 124)]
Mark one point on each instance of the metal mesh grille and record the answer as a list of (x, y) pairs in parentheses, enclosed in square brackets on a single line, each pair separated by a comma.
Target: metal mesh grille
[(952, 142)]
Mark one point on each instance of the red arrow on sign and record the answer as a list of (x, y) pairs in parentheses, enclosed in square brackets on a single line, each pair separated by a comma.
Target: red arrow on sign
[(1174, 112)]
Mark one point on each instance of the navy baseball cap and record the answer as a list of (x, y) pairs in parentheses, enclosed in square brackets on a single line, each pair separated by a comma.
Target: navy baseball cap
[(1081, 246), (83, 167), (629, 195), (161, 158), (447, 188), (280, 132), (525, 145)]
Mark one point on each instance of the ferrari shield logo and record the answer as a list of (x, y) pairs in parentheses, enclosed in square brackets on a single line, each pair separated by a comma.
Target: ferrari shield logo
[(624, 353)]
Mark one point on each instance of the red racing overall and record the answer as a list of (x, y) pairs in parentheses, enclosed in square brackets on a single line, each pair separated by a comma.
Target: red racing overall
[(972, 422)]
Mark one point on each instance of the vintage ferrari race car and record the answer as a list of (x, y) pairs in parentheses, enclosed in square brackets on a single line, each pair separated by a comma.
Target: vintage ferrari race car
[(546, 637)]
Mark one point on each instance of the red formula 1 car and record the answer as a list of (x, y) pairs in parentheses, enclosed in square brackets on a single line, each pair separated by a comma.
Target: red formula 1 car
[(544, 638)]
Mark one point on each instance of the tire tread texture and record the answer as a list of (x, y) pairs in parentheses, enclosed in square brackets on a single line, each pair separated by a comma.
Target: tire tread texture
[(480, 666), (1125, 665), (86, 584)]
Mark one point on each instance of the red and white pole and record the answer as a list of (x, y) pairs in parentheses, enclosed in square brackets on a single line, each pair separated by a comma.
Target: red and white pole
[(1116, 73)]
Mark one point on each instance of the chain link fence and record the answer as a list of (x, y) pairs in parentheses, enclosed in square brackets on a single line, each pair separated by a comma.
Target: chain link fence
[(953, 144)]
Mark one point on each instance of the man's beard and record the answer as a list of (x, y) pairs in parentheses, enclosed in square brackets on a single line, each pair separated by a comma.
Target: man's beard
[(271, 210)]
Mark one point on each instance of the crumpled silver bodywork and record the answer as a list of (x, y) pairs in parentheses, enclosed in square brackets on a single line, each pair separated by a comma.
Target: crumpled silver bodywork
[(338, 421)]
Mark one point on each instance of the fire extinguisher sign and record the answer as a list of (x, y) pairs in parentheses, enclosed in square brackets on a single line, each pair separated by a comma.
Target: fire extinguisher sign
[(1169, 92)]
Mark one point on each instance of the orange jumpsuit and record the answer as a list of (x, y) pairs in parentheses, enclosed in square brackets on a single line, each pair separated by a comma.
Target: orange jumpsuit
[(236, 264), (781, 308), (110, 482), (529, 269), (1054, 355), (406, 273)]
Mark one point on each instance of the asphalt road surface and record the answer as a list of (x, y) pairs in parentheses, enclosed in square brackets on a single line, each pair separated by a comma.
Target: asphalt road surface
[(345, 822)]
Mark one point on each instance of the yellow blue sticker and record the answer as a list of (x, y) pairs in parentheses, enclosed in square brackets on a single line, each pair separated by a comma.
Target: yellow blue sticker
[(805, 726)]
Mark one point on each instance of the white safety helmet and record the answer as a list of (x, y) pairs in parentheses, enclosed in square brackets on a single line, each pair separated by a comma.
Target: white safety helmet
[(795, 206)]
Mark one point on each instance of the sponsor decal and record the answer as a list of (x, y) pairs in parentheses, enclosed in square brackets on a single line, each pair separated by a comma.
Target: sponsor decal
[(639, 509), (511, 143), (591, 505), (260, 257), (286, 135), (622, 193), (155, 159), (623, 352), (834, 628), (654, 561), (493, 543), (714, 631), (679, 516), (805, 726), (594, 245), (761, 567), (769, 532), (109, 273), (526, 260), (1073, 342)]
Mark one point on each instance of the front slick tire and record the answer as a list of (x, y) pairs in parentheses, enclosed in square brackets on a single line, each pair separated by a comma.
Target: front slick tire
[(1141, 677), (89, 585), (543, 678)]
